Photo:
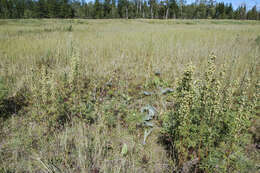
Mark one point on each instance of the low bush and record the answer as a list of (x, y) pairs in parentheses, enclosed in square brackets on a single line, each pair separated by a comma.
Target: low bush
[(56, 100), (3, 91), (257, 40), (208, 125)]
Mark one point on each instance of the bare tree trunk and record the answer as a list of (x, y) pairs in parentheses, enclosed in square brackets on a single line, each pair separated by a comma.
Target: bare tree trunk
[(181, 11), (137, 9), (143, 13), (256, 4), (181, 5), (152, 12), (167, 12), (140, 8), (126, 12)]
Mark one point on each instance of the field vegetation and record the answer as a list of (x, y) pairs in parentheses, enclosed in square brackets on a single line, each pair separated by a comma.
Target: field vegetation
[(129, 95)]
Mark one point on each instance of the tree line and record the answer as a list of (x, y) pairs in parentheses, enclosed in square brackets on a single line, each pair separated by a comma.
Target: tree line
[(102, 9)]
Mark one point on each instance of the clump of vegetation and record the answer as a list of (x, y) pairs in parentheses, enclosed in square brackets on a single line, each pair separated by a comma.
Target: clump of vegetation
[(69, 28), (3, 89), (56, 101), (209, 123), (3, 92), (57, 29), (257, 40)]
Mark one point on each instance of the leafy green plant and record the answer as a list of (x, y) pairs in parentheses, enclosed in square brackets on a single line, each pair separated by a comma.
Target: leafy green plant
[(57, 100), (257, 40), (3, 94), (68, 28), (208, 117)]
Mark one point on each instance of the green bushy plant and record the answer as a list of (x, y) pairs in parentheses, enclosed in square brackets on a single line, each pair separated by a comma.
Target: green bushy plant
[(208, 124), (68, 28), (257, 40), (57, 100), (3, 90), (3, 93)]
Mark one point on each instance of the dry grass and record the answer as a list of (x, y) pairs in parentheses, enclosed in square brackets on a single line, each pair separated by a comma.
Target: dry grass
[(126, 52)]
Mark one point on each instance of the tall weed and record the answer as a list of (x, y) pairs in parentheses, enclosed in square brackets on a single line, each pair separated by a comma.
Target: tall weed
[(209, 123)]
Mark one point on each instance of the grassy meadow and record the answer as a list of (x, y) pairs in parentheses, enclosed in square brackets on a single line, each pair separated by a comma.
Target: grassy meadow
[(73, 92)]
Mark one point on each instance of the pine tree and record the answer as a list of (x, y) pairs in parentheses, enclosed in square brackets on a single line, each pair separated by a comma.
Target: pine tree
[(113, 9), (41, 9), (173, 9), (252, 14), (107, 9), (97, 10)]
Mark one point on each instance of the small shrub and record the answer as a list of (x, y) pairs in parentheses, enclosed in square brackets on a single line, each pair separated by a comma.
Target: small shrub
[(46, 60), (257, 40), (3, 90), (48, 30), (209, 123), (3, 95), (57, 29), (68, 28), (56, 100)]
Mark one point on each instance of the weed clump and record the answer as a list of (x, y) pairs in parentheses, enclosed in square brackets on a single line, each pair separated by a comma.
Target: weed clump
[(56, 100), (69, 28), (257, 40), (209, 123), (3, 94), (3, 90)]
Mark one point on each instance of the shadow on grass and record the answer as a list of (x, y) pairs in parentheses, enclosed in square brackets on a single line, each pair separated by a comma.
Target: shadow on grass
[(11, 105)]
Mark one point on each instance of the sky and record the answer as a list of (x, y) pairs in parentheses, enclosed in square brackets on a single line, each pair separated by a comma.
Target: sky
[(236, 3)]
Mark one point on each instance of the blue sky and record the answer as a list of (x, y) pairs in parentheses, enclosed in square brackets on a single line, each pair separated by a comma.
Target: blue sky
[(236, 3)]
